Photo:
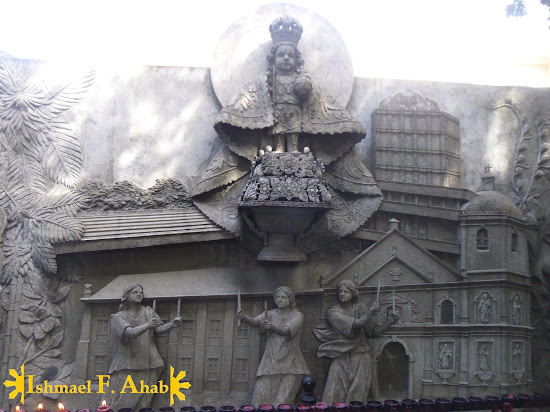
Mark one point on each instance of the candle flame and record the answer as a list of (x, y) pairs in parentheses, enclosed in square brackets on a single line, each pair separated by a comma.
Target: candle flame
[(17, 408), (61, 406), (40, 406), (104, 403)]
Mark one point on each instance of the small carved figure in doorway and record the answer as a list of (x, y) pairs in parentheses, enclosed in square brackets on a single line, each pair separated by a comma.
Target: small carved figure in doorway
[(483, 362), (517, 357), (283, 365), (484, 308), (347, 343), (445, 358), (516, 310), (135, 353)]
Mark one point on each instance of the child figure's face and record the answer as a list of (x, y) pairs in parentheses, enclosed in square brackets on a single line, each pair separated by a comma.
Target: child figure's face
[(285, 59)]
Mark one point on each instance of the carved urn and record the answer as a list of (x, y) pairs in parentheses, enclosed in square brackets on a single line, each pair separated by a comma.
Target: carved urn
[(286, 193)]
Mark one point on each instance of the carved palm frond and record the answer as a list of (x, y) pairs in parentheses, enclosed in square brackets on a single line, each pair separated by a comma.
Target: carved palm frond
[(61, 228), (63, 99), (14, 195), (30, 124), (56, 202), (17, 256), (25, 168), (62, 157), (42, 252)]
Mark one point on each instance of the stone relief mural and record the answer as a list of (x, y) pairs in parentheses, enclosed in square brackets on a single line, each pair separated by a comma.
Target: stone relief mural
[(40, 162), (417, 144)]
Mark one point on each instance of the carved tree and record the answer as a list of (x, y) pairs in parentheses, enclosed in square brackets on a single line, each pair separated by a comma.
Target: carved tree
[(530, 185), (38, 153)]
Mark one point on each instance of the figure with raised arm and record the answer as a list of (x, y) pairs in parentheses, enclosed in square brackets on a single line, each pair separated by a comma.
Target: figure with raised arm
[(283, 365), (135, 353), (347, 343)]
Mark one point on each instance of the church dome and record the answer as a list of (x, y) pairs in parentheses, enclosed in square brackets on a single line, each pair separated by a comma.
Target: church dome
[(492, 203)]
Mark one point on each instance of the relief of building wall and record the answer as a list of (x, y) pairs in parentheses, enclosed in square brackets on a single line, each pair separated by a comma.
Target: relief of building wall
[(415, 142)]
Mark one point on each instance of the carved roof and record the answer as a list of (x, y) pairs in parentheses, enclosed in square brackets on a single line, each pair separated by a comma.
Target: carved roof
[(125, 229), (395, 251), (132, 224), (492, 203), (408, 100), (209, 282)]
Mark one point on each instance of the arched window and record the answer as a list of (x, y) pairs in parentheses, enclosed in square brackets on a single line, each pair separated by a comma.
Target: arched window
[(447, 312), (515, 242), (482, 239)]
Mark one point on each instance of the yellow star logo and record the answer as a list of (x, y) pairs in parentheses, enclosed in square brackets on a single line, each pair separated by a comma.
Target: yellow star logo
[(18, 382), (176, 385)]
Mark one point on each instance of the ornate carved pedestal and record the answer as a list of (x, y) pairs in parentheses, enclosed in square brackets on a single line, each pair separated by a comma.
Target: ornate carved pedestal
[(285, 194)]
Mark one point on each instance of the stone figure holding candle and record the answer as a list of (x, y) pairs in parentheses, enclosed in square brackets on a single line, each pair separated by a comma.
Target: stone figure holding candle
[(283, 365), (134, 350), (346, 342)]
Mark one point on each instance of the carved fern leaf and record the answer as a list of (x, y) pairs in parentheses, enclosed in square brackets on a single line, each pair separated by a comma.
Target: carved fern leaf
[(57, 202), (14, 196), (69, 95), (61, 228), (42, 252), (26, 169), (17, 256), (63, 156), (8, 85)]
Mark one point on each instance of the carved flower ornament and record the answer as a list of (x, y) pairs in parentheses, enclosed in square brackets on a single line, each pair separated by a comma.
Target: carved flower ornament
[(37, 322)]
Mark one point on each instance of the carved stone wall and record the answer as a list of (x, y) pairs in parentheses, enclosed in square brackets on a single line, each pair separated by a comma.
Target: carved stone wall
[(155, 123)]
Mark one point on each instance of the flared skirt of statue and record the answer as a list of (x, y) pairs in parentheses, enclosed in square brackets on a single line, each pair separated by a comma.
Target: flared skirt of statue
[(349, 378)]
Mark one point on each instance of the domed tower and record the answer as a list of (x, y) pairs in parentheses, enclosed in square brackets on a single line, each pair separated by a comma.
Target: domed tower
[(496, 268), (494, 242)]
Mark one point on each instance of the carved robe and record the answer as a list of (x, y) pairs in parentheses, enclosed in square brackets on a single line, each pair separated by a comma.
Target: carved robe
[(484, 308), (329, 128), (138, 357), (283, 365), (349, 376), (250, 122)]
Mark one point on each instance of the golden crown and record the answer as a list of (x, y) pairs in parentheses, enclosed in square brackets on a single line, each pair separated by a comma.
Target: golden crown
[(285, 30)]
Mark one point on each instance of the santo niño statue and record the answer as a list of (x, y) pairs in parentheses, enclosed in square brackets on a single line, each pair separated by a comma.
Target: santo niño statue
[(284, 110), (283, 105)]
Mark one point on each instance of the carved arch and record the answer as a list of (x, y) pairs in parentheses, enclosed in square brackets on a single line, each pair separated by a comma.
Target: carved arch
[(410, 356), (482, 239), (442, 311)]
